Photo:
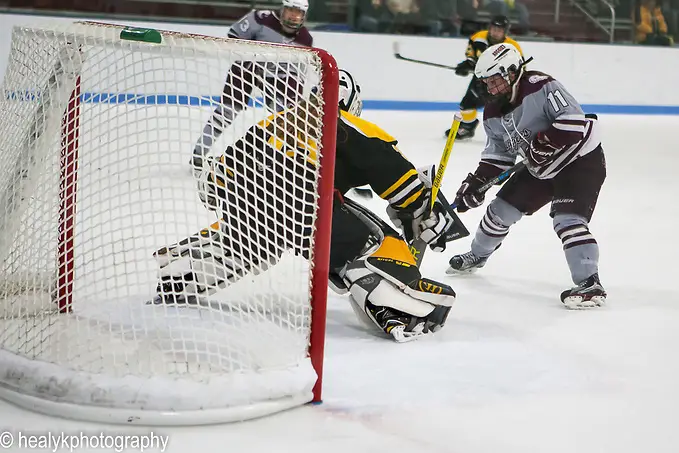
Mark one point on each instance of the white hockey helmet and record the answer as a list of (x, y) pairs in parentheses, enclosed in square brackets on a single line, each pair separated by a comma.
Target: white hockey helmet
[(500, 67), (293, 14), (349, 94)]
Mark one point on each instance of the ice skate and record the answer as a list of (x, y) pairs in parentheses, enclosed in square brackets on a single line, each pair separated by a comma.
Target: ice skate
[(466, 130), (465, 263), (588, 294)]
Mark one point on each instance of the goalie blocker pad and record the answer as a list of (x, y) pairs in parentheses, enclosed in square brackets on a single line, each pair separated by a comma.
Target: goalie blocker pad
[(457, 230)]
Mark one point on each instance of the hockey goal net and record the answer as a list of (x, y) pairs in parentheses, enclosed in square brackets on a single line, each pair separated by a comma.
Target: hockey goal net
[(98, 124)]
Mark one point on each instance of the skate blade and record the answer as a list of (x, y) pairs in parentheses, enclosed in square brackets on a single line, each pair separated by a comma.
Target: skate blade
[(453, 271), (580, 303)]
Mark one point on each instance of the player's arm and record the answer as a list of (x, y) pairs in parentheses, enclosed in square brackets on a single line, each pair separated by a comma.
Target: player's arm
[(495, 158), (475, 47), (246, 28), (569, 133), (373, 153)]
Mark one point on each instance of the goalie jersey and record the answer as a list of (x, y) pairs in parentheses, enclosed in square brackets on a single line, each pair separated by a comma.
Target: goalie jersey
[(542, 104), (367, 155), (276, 171)]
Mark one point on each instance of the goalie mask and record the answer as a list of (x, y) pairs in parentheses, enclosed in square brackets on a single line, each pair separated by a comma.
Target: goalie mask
[(349, 94), (499, 69)]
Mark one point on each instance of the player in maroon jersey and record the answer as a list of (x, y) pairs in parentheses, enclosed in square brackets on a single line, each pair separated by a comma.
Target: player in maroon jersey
[(278, 82)]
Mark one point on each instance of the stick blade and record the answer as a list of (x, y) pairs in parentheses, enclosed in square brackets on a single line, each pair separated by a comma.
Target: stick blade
[(397, 49)]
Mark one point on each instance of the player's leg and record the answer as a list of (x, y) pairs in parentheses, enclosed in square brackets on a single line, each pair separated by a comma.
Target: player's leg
[(216, 256), (235, 97), (521, 195), (468, 107), (196, 266), (250, 236), (576, 190), (374, 264)]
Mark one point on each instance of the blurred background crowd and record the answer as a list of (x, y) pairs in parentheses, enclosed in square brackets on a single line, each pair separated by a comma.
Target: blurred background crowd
[(646, 22)]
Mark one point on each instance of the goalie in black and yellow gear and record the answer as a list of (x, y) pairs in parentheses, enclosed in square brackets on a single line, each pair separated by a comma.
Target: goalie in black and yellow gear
[(266, 178)]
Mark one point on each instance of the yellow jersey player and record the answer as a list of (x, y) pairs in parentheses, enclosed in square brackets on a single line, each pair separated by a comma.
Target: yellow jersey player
[(268, 174), (478, 43)]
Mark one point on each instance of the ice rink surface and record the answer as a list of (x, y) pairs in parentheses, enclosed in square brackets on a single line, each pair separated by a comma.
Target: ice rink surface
[(513, 370)]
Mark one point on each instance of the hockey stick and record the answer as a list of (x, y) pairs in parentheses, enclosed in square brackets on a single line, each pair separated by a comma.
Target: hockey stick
[(418, 246), (397, 54), (502, 176)]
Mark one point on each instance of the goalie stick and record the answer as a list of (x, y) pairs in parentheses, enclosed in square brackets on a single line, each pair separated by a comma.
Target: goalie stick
[(418, 246), (397, 54)]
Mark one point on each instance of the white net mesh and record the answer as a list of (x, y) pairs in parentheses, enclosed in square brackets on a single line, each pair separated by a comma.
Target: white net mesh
[(96, 135)]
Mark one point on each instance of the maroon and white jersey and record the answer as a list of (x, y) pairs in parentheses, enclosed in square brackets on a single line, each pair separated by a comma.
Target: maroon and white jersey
[(542, 105), (264, 26)]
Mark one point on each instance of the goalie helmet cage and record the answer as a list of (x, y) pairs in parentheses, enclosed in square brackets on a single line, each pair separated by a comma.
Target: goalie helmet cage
[(97, 126)]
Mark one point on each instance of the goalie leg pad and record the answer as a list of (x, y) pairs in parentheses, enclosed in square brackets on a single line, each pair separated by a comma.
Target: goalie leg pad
[(170, 253), (397, 312), (352, 234), (200, 272), (394, 262)]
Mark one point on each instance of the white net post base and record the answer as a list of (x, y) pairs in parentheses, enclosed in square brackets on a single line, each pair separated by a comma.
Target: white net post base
[(97, 127)]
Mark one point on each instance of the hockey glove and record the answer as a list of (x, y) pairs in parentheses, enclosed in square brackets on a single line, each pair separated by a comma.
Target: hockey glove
[(465, 68), (468, 195), (542, 151), (429, 228)]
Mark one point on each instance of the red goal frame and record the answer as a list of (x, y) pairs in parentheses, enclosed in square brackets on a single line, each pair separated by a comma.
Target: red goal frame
[(68, 179)]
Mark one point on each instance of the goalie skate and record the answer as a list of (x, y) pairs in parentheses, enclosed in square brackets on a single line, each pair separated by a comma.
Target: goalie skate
[(172, 291), (401, 326), (588, 294)]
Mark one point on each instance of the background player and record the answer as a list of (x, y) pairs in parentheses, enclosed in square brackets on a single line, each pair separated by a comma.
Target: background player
[(261, 179), (496, 33), (279, 83), (529, 113)]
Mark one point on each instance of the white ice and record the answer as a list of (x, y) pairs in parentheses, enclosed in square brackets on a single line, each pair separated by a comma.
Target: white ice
[(513, 370)]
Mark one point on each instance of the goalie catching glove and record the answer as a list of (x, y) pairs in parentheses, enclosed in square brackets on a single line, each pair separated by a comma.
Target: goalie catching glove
[(417, 222)]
